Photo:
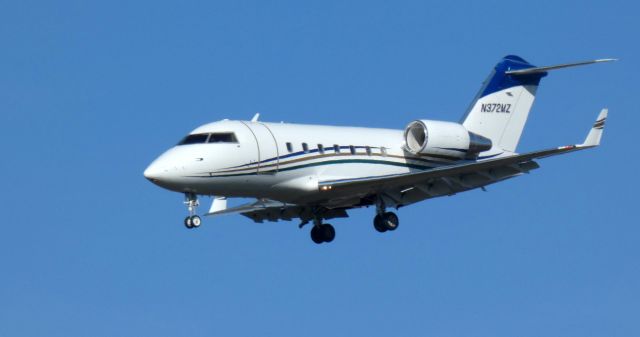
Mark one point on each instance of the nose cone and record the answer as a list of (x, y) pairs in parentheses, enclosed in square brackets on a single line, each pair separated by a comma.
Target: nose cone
[(160, 170), (153, 172), (167, 171)]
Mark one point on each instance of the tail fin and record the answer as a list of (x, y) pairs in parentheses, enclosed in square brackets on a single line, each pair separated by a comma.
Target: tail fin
[(501, 107)]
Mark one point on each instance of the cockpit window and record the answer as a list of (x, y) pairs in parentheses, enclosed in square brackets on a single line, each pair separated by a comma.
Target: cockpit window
[(198, 138), (218, 137), (223, 137)]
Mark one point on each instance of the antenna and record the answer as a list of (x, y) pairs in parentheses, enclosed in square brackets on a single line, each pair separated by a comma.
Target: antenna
[(255, 117)]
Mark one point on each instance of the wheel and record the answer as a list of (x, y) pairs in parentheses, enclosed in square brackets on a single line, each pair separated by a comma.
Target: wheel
[(195, 221), (378, 225), (328, 232), (187, 222), (391, 221), (317, 235)]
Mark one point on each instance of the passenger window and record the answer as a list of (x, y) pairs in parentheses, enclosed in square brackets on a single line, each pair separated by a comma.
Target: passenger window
[(320, 149), (352, 149), (336, 148), (198, 138), (305, 147), (368, 149), (223, 137), (289, 147)]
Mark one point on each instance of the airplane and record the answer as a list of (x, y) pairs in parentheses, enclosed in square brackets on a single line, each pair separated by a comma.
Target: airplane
[(317, 172)]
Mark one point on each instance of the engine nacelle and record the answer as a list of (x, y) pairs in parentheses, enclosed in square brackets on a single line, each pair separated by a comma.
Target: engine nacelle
[(444, 139)]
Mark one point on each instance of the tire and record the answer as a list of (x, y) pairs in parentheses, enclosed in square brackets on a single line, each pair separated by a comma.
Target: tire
[(196, 221), (328, 233), (187, 222), (378, 225), (391, 221), (316, 235)]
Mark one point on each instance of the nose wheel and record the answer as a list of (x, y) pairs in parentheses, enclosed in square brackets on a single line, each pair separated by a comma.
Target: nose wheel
[(192, 220)]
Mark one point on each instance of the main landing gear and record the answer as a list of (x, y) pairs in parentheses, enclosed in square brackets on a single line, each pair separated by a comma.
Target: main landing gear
[(322, 232), (387, 221), (192, 220), (384, 221)]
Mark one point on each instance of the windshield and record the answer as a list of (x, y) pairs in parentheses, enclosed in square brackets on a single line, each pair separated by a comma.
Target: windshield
[(194, 139), (223, 137), (201, 138)]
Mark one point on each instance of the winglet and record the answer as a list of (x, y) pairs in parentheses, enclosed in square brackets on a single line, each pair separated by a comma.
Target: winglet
[(595, 134)]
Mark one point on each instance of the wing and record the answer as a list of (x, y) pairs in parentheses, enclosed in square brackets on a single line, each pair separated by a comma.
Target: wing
[(459, 177), (271, 210)]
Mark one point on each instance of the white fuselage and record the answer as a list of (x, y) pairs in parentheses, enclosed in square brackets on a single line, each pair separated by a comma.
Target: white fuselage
[(316, 173), (281, 161)]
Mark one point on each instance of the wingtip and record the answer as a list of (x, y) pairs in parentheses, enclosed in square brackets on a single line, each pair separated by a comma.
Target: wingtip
[(595, 134), (603, 113)]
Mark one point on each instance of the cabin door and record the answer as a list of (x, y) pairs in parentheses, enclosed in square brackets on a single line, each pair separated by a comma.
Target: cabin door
[(268, 156)]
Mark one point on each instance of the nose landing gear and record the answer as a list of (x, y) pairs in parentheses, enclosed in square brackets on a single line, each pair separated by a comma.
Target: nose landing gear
[(192, 220)]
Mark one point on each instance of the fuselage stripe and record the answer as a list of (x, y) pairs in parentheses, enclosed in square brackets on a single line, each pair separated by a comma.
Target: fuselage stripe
[(328, 162), (329, 149), (297, 160)]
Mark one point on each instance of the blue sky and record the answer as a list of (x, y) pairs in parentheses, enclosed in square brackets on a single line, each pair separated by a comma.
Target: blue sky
[(91, 92)]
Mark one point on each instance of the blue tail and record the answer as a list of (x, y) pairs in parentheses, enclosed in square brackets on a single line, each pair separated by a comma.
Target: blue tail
[(498, 80), (500, 109)]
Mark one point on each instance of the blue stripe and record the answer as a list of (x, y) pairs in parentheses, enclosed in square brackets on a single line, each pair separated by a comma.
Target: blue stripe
[(298, 154), (329, 162), (301, 153)]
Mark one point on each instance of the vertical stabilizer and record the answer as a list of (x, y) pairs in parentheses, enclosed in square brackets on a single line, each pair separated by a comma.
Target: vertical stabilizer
[(501, 107)]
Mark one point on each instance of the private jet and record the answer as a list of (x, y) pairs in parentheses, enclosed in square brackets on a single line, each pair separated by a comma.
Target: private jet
[(316, 172)]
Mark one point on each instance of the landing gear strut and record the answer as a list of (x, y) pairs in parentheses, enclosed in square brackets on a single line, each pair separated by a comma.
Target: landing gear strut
[(322, 232), (192, 220)]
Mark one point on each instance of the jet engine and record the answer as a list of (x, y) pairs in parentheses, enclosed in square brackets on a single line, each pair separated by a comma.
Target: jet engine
[(443, 139)]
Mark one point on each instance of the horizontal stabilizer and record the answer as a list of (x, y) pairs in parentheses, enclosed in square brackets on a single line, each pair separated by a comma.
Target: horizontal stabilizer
[(537, 70)]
